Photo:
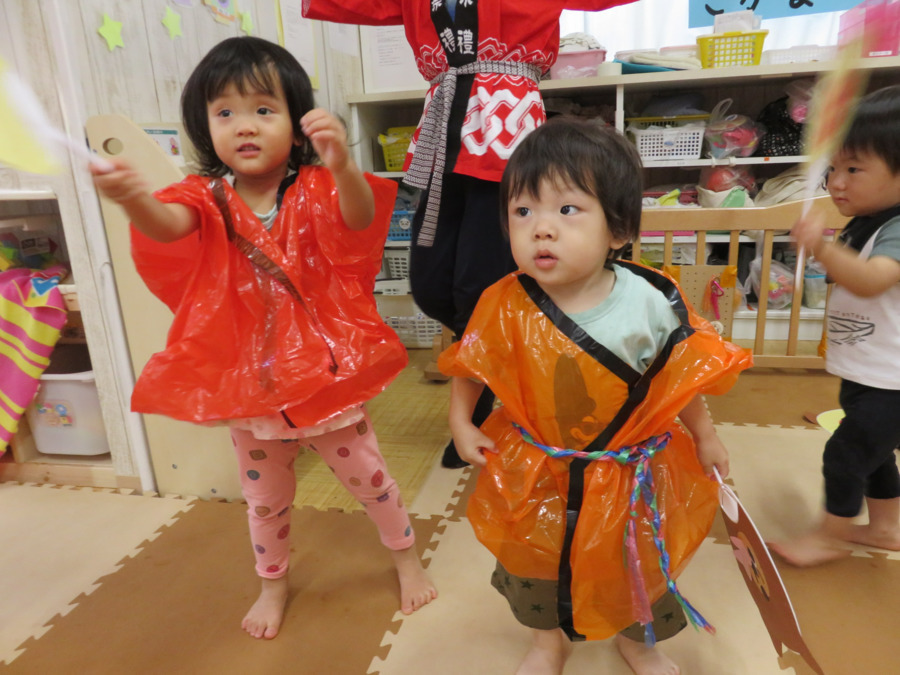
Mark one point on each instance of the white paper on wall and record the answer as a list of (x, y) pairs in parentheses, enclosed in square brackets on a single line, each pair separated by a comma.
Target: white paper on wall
[(343, 38), (299, 37), (388, 60)]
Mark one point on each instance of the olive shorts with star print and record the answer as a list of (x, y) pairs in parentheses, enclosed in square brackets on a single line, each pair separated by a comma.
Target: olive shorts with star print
[(533, 602)]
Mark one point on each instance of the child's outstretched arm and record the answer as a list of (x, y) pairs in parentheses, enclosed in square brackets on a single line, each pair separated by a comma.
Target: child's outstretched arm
[(127, 187), (471, 443), (710, 450), (329, 139), (863, 277)]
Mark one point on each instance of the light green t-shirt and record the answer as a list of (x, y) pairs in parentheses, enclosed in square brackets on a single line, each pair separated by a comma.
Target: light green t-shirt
[(887, 241), (634, 322)]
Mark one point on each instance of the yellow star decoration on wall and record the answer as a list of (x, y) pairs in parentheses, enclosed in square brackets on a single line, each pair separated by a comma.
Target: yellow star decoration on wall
[(111, 32), (172, 21), (246, 22)]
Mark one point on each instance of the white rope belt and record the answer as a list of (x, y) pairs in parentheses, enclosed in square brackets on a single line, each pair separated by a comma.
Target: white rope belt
[(429, 159)]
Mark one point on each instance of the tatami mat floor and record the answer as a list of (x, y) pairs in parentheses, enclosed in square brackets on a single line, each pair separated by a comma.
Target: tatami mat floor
[(410, 419), (97, 582)]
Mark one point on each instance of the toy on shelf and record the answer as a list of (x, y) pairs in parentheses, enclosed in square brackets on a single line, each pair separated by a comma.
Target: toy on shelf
[(711, 290), (730, 135)]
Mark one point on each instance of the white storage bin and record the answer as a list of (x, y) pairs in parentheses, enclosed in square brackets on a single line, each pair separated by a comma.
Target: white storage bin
[(660, 138), (800, 54), (65, 415), (416, 331), (397, 260), (578, 63)]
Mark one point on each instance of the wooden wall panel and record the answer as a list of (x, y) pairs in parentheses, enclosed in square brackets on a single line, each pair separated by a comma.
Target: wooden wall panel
[(123, 78), (23, 48), (144, 80)]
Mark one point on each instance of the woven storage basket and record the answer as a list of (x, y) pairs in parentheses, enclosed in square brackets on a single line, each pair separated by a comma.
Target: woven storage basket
[(679, 137), (394, 144), (415, 331), (731, 49), (397, 262)]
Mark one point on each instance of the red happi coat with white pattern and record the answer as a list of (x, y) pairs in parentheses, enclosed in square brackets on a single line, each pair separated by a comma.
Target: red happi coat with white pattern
[(501, 109)]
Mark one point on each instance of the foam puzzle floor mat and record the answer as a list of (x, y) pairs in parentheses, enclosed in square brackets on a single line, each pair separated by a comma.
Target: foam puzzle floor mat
[(845, 609), (121, 582), (765, 396), (176, 606), (57, 542)]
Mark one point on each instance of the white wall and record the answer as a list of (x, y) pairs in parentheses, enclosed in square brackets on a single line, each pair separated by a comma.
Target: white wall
[(651, 24)]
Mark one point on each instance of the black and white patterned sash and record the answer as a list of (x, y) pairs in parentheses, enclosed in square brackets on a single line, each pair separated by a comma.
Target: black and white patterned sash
[(459, 39)]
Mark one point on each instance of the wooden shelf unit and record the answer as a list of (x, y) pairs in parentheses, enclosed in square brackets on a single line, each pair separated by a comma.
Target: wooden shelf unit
[(750, 88), (25, 210)]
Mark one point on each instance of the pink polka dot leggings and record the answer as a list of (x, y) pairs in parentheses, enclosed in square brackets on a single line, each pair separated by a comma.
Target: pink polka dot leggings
[(269, 484)]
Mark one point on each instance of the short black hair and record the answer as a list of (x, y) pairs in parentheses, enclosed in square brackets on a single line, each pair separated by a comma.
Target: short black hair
[(249, 63), (876, 127), (587, 155)]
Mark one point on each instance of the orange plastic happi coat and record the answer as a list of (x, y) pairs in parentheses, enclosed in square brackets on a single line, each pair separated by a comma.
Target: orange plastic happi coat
[(564, 397), (240, 344)]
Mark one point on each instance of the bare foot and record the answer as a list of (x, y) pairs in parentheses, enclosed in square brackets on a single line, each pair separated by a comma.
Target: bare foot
[(548, 654), (810, 550), (416, 587), (264, 618), (644, 660), (868, 535)]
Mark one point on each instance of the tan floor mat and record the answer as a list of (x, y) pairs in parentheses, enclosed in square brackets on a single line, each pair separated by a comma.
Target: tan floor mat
[(765, 396), (845, 609), (177, 606), (56, 542)]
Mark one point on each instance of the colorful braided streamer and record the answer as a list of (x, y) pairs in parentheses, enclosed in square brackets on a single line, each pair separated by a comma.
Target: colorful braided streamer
[(642, 489)]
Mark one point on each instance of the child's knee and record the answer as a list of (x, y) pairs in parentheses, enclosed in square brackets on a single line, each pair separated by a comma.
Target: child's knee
[(378, 491), (268, 512), (845, 451)]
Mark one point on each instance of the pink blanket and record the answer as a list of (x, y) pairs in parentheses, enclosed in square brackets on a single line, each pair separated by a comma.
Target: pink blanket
[(32, 314)]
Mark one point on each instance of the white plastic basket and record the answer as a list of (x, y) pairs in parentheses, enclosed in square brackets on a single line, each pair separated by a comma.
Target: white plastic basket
[(397, 263), (414, 331), (65, 414), (801, 54), (392, 287), (673, 138)]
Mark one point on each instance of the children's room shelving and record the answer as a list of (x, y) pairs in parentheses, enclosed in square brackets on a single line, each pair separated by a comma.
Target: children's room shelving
[(373, 113), (32, 217), (623, 96), (750, 88)]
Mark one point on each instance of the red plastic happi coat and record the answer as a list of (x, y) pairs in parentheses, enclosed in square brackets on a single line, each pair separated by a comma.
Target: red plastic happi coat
[(560, 387), (294, 329)]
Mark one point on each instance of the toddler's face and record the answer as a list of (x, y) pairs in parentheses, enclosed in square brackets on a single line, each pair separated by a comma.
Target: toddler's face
[(860, 184), (252, 133), (561, 238)]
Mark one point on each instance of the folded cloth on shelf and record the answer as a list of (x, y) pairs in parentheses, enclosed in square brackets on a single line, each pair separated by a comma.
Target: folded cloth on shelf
[(679, 62), (578, 42), (787, 186), (32, 314), (733, 198)]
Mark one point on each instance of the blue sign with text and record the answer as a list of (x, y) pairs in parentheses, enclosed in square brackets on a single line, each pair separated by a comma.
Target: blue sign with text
[(703, 12)]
